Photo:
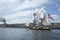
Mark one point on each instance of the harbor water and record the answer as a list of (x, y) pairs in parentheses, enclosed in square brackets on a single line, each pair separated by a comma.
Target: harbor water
[(28, 34)]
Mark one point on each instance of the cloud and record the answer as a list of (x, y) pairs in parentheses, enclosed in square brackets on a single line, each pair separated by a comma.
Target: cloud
[(13, 9), (18, 14), (8, 1), (14, 5), (18, 17), (58, 9), (17, 20)]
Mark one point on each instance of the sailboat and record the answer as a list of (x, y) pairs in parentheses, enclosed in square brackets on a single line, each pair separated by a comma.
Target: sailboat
[(44, 24)]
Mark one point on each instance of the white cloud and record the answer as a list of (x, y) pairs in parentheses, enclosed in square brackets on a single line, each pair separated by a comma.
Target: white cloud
[(8, 1), (17, 20), (17, 14), (14, 5), (15, 17), (10, 6), (58, 9), (30, 4)]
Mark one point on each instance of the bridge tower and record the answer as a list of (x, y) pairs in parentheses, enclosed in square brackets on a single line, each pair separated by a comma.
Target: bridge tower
[(3, 20)]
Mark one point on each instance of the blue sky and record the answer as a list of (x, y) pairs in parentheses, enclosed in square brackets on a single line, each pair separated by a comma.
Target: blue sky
[(21, 11)]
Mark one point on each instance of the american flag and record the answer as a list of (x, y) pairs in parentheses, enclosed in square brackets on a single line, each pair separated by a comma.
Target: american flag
[(50, 17)]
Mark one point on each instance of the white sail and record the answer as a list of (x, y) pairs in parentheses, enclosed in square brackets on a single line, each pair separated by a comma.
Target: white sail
[(42, 12), (46, 20)]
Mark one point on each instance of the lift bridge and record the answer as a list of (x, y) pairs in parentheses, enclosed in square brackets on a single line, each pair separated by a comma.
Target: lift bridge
[(4, 22)]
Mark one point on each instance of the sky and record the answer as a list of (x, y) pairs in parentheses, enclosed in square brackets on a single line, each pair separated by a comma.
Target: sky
[(21, 11)]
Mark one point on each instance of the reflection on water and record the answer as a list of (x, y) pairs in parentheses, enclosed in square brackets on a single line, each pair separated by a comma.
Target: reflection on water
[(27, 34)]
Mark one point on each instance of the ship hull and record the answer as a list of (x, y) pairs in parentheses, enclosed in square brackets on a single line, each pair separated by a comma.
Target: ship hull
[(39, 28)]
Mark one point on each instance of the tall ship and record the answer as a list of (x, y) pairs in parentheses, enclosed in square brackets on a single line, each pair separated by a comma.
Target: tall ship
[(43, 22)]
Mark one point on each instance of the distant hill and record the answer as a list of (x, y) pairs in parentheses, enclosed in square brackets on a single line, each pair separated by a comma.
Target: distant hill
[(13, 25)]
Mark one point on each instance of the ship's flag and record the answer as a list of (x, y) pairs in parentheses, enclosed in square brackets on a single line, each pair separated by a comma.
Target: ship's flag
[(50, 17)]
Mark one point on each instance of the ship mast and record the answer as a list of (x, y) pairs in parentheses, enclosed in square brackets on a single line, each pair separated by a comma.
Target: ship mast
[(34, 18), (42, 15), (34, 23)]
